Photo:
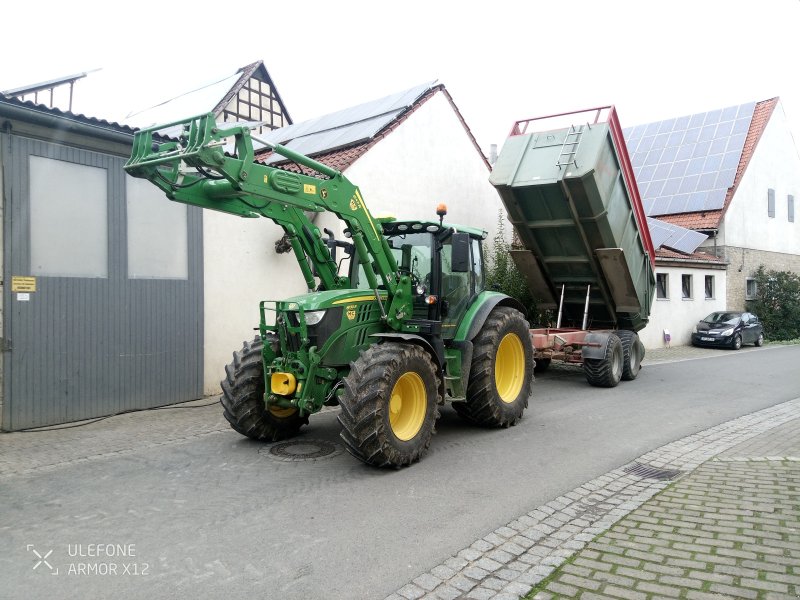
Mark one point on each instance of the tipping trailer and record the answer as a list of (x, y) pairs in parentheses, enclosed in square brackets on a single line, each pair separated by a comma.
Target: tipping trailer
[(571, 195)]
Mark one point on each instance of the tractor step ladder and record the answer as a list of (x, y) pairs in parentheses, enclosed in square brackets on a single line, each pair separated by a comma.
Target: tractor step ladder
[(570, 147)]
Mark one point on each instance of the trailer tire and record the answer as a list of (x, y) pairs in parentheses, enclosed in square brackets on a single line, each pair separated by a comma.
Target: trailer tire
[(605, 371), (243, 398), (501, 374), (389, 405), (632, 354), (542, 364)]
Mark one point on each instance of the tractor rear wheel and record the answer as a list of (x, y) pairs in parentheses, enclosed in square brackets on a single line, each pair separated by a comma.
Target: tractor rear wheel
[(606, 371), (390, 405), (243, 398), (501, 375), (632, 354)]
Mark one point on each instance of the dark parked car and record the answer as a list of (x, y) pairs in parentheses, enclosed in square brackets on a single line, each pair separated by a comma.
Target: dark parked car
[(730, 329)]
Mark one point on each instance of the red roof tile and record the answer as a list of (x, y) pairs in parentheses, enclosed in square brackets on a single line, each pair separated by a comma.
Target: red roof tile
[(697, 220), (761, 115), (666, 255)]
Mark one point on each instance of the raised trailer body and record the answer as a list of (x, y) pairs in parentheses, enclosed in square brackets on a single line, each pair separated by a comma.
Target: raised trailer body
[(571, 195)]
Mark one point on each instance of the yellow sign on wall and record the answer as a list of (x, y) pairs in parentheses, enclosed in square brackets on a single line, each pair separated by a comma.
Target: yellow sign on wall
[(23, 284)]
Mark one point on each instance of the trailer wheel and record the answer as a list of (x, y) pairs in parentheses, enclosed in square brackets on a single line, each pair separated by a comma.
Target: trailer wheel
[(632, 354), (501, 375), (606, 371), (542, 364), (390, 405), (243, 398)]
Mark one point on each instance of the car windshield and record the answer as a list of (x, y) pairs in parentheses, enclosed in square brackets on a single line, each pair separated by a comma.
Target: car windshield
[(722, 318)]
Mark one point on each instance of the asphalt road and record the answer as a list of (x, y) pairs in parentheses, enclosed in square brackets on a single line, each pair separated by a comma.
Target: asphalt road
[(220, 516)]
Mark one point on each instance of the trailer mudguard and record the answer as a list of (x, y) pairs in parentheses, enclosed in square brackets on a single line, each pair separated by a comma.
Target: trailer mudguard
[(595, 344)]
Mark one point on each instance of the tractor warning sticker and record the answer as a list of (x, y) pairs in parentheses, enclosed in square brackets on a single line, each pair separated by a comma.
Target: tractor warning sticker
[(309, 188), (23, 284), (351, 312)]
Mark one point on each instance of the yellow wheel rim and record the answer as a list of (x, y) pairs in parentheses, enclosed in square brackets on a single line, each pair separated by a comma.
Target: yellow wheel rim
[(509, 367), (407, 406), (281, 413)]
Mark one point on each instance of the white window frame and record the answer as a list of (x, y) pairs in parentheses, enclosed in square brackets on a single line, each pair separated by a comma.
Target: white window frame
[(684, 296)]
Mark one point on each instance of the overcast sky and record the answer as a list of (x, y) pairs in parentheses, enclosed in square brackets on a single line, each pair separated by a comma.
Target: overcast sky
[(500, 60)]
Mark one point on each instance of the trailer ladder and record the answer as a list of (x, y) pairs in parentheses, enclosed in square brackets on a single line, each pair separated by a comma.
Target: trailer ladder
[(570, 147)]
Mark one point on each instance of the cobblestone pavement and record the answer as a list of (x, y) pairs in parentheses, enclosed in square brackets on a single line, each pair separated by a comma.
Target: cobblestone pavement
[(55, 447), (714, 515)]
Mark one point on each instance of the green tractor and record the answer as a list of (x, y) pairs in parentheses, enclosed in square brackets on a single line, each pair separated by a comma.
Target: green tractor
[(409, 327)]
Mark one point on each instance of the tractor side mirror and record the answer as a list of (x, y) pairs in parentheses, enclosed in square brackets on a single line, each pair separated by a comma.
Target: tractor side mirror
[(460, 256)]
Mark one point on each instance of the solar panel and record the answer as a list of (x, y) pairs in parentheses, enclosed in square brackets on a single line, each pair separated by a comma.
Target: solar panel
[(673, 236), (345, 127), (687, 164)]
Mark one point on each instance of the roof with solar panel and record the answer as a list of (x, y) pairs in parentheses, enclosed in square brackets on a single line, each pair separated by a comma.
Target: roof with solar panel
[(687, 168)]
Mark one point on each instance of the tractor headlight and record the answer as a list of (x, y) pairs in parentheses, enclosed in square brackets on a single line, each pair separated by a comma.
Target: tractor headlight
[(314, 316)]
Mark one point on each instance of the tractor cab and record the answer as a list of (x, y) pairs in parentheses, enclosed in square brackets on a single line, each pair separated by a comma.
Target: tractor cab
[(445, 263)]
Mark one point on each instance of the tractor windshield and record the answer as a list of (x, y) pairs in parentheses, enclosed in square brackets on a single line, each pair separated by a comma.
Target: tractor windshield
[(412, 251)]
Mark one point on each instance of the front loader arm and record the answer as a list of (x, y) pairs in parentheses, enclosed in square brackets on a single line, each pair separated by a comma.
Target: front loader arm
[(213, 166), (203, 168)]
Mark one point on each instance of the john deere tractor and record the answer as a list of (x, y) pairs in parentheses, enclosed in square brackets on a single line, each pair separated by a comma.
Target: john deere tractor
[(409, 327)]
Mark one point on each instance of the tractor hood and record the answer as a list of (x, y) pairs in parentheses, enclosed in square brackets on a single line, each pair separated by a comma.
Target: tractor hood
[(330, 298)]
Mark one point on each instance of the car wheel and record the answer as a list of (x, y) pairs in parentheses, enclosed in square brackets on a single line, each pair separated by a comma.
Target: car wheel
[(737, 342), (760, 340)]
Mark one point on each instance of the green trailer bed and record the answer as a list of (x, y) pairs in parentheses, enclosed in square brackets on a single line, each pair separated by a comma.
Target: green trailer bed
[(571, 196)]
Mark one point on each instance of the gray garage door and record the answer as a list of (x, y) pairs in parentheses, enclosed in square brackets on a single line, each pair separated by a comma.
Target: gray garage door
[(104, 294)]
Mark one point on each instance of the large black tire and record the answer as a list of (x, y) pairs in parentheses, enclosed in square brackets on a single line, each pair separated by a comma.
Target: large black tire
[(606, 371), (632, 354), (243, 398), (501, 374), (389, 405), (542, 364)]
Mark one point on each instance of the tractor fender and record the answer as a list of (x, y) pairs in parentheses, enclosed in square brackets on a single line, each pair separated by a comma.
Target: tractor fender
[(486, 303), (412, 338), (599, 342)]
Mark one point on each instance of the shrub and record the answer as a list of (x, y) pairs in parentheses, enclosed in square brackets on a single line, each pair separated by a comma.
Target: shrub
[(503, 276), (777, 303)]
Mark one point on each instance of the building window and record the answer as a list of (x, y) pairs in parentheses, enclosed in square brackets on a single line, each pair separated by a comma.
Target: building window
[(69, 219), (751, 289), (709, 287), (686, 287), (158, 246), (791, 209), (662, 286), (771, 203)]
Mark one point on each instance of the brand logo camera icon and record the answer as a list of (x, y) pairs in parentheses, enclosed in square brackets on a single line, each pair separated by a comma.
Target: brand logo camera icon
[(42, 559)]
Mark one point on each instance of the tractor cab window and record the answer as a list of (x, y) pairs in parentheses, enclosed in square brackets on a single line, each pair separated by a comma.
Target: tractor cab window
[(413, 254)]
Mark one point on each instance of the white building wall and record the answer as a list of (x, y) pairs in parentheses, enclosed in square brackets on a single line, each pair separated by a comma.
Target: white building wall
[(428, 159), (677, 315), (240, 270), (775, 165)]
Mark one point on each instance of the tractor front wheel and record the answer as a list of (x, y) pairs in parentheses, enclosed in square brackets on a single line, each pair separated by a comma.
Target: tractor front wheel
[(243, 398), (501, 374), (389, 405)]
